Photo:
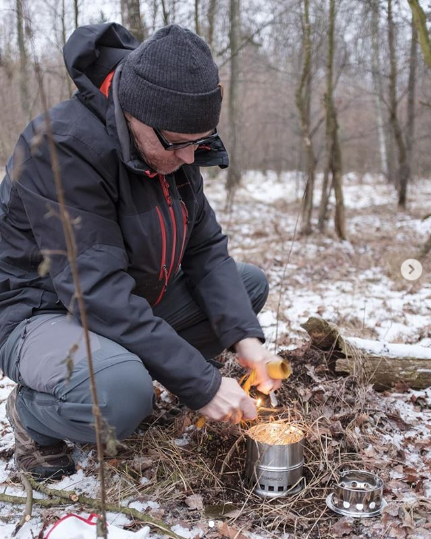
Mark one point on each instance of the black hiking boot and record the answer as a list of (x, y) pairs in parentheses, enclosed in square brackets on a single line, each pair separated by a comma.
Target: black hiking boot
[(41, 461)]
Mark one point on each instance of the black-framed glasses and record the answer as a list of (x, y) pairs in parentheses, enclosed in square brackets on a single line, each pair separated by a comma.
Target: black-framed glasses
[(172, 146)]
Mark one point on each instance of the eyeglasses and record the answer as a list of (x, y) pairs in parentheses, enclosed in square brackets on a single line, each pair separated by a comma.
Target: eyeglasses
[(172, 146)]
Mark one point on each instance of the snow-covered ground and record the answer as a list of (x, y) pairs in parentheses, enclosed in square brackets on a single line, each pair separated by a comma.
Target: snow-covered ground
[(356, 284)]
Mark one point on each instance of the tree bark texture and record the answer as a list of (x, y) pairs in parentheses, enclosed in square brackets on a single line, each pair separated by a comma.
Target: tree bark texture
[(324, 200), (166, 15), (131, 18), (234, 170), (411, 95), (419, 19), (76, 12), (303, 101), (197, 22), (64, 39), (333, 149), (23, 60), (403, 174), (212, 8), (426, 248), (378, 84)]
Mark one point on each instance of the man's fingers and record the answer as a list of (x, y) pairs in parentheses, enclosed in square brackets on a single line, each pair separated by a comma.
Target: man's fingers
[(269, 385), (249, 410), (236, 417), (265, 384)]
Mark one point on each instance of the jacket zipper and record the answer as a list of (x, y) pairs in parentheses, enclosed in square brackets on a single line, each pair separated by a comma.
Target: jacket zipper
[(185, 223), (163, 269), (165, 187)]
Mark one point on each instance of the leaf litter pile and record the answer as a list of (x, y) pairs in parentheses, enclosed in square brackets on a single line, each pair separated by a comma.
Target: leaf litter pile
[(197, 475), (191, 476)]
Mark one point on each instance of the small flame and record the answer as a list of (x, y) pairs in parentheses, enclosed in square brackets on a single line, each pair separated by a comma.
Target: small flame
[(258, 402)]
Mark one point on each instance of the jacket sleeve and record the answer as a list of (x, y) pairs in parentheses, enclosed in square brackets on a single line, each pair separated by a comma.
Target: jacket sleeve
[(214, 279), (113, 311)]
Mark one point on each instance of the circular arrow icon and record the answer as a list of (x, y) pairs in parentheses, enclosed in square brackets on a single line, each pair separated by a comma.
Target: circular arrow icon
[(411, 269)]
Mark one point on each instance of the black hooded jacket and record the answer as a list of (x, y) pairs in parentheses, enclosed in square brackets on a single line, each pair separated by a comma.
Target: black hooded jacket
[(133, 228)]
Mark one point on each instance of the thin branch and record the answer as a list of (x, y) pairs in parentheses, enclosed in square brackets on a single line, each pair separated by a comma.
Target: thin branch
[(28, 504), (73, 497), (67, 226), (53, 502)]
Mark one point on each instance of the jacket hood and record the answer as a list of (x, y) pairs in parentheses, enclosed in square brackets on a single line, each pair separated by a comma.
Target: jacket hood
[(90, 54)]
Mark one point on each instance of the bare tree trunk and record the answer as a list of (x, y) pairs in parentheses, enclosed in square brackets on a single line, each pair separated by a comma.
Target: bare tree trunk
[(64, 38), (76, 12), (420, 21), (426, 248), (154, 15), (403, 174), (197, 25), (23, 60), (391, 156), (326, 191), (377, 83), (303, 101), (411, 93), (123, 8), (173, 11), (131, 18), (234, 170), (334, 162), (212, 7), (337, 181), (165, 13)]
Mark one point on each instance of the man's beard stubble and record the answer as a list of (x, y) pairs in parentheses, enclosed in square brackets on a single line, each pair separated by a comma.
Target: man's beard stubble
[(150, 162)]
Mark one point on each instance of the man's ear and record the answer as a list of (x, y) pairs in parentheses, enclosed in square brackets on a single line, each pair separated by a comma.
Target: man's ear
[(221, 89)]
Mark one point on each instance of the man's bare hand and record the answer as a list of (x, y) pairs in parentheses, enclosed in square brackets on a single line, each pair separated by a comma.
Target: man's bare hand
[(231, 403), (253, 355)]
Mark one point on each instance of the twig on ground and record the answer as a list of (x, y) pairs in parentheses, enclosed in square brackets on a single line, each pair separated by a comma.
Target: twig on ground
[(60, 497), (28, 505), (51, 502)]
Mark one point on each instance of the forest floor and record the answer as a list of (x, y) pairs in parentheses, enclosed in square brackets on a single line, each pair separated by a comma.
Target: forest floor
[(193, 478)]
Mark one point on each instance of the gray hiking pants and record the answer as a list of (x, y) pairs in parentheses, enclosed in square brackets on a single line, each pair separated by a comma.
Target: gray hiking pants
[(52, 407)]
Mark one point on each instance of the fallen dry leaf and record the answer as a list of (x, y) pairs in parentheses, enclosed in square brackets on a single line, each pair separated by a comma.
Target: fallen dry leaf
[(229, 531), (311, 371), (406, 517), (361, 419), (397, 533), (342, 527), (181, 423), (401, 387), (391, 509), (141, 463), (194, 501)]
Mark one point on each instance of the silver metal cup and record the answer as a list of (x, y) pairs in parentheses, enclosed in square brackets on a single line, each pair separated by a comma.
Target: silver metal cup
[(274, 470)]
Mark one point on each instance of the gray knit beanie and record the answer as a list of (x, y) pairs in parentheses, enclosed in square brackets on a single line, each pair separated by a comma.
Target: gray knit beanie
[(171, 82)]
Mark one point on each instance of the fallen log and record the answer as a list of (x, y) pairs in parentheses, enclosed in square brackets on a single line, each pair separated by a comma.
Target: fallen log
[(379, 363)]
